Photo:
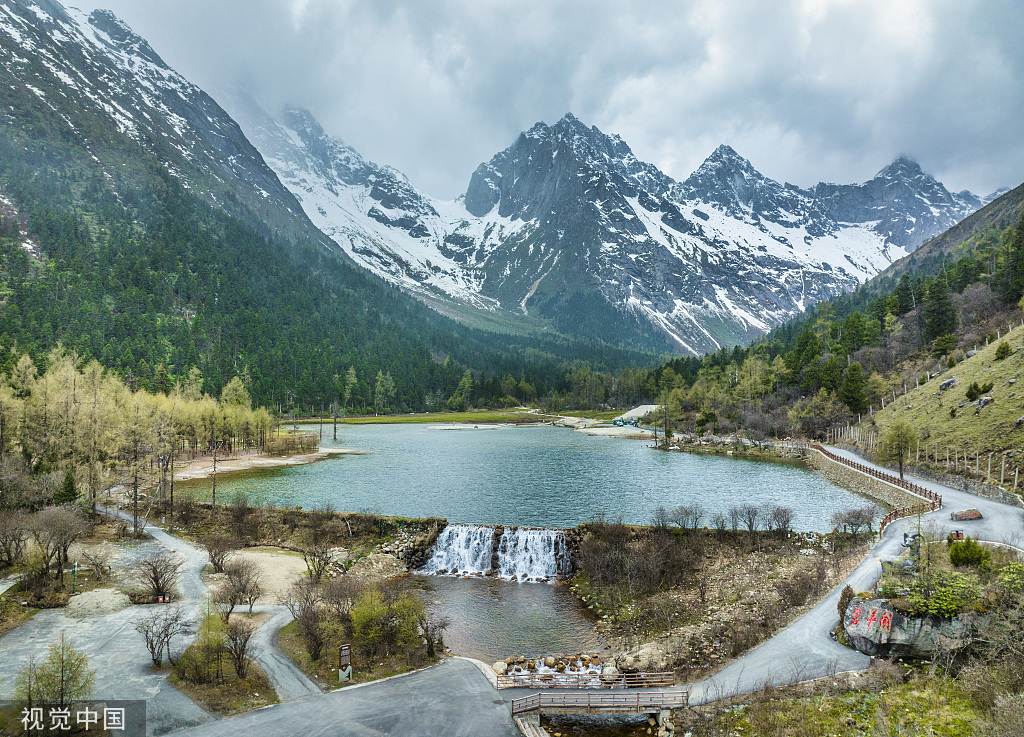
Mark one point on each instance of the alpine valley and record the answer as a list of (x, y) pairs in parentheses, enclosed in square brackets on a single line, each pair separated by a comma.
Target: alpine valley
[(563, 236)]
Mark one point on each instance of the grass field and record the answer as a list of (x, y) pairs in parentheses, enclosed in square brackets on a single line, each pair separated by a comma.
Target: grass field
[(992, 429)]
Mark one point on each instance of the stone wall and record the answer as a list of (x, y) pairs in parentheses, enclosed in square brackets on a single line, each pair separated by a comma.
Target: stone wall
[(954, 481), (861, 483)]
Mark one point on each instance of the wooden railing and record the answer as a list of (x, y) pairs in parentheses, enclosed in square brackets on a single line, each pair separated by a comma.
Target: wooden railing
[(934, 501), (638, 701), (586, 680)]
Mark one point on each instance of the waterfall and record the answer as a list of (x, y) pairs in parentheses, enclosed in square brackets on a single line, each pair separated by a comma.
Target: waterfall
[(530, 555), (520, 553), (462, 550)]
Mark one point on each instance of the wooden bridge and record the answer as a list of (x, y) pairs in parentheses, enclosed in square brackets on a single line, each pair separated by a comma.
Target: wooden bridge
[(588, 703), (587, 680)]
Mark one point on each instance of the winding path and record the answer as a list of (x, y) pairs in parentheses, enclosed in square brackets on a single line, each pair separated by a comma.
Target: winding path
[(454, 697), (805, 649)]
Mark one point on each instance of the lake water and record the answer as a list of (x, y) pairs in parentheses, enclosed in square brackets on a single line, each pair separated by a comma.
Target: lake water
[(535, 476), (492, 619)]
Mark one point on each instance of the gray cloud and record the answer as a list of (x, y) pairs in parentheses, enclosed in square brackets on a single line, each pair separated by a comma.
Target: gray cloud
[(808, 90)]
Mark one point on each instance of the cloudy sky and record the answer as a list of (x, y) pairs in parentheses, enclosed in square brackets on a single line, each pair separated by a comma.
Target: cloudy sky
[(808, 90)]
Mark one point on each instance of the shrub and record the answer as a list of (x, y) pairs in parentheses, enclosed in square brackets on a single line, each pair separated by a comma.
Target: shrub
[(844, 602), (1002, 351), (1011, 579), (968, 553), (948, 594), (386, 623), (976, 390)]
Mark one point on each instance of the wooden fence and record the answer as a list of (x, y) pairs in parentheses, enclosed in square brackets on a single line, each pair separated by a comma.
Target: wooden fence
[(934, 501), (586, 680), (638, 701)]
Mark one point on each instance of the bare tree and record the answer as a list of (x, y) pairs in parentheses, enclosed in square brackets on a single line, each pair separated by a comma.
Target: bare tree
[(661, 518), (303, 601), (219, 546), (853, 520), (780, 519), (339, 595), (241, 585), (44, 527), (432, 628), (688, 516), (159, 626), (160, 573), (69, 524), (720, 522), (317, 555), (98, 560), (14, 533), (750, 515), (237, 641)]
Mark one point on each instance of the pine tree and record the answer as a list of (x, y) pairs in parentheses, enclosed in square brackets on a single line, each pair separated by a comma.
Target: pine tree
[(67, 493), (852, 391), (939, 312), (1011, 277)]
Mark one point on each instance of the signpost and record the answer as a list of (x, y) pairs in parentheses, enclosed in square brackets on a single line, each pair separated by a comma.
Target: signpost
[(344, 662)]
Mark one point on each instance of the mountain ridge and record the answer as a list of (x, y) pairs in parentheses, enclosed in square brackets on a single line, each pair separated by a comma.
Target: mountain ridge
[(567, 220)]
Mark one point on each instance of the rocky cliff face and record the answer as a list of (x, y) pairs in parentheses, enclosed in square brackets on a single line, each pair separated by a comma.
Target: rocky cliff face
[(901, 203), (88, 68)]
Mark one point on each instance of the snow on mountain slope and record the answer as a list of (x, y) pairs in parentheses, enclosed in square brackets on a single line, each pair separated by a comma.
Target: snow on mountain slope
[(94, 67), (568, 226)]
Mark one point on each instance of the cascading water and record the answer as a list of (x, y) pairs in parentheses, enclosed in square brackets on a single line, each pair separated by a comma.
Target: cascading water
[(531, 555), (462, 550), (520, 554)]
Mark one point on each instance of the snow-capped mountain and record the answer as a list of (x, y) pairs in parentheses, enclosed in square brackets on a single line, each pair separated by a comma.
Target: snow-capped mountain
[(568, 227), (92, 70), (901, 203), (564, 229)]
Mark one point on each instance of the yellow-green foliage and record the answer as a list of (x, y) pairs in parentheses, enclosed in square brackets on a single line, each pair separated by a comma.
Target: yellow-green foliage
[(944, 594), (993, 429), (1011, 579), (383, 622)]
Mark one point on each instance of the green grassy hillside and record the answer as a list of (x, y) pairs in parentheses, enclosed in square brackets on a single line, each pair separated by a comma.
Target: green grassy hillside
[(992, 429)]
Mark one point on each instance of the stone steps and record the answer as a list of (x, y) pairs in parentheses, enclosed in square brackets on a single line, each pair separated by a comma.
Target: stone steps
[(529, 728)]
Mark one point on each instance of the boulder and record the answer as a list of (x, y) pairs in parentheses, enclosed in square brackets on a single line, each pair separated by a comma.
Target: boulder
[(875, 627), (549, 662), (947, 384), (984, 401), (501, 668), (965, 514)]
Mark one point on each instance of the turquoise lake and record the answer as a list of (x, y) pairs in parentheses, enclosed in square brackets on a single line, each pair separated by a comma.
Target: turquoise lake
[(534, 476)]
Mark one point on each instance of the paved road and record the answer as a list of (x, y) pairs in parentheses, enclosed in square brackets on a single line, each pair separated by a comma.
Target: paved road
[(118, 655), (455, 698), (452, 699), (804, 649), (289, 682), (115, 650)]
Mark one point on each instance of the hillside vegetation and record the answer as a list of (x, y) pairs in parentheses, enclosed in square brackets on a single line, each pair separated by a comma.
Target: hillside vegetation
[(952, 419)]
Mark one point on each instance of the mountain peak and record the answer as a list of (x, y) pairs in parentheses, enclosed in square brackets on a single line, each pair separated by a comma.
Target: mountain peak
[(902, 167)]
